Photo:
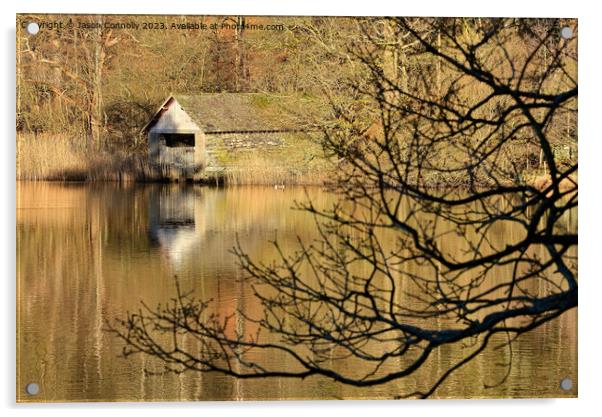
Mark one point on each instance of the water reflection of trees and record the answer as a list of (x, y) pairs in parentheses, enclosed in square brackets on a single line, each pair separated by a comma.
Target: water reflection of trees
[(406, 265)]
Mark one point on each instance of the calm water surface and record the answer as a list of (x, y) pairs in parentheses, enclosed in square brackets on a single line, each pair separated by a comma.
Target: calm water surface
[(89, 253)]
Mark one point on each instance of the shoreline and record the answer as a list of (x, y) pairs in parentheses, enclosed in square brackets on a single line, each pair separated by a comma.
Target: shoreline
[(537, 182)]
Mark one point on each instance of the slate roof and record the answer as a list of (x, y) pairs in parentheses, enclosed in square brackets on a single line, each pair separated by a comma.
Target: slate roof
[(238, 112)]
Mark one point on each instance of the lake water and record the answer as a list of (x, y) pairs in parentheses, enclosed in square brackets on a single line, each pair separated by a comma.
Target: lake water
[(90, 253)]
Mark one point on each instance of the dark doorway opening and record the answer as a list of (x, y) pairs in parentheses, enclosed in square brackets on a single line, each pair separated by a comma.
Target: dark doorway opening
[(178, 140)]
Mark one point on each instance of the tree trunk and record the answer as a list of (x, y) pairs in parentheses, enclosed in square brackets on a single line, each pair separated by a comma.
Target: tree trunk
[(240, 63), (96, 122)]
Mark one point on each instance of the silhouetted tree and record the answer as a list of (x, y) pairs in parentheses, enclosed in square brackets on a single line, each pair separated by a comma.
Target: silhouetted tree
[(434, 148)]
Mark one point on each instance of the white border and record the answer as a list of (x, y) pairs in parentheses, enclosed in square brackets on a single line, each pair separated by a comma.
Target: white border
[(507, 8), (590, 152)]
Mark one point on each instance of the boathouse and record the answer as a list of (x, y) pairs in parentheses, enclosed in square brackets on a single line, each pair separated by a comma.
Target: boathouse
[(186, 129)]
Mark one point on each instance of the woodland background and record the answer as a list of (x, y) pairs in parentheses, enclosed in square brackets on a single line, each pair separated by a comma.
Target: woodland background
[(84, 94)]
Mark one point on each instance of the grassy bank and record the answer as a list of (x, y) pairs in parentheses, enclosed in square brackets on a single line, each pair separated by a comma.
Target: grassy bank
[(261, 170), (299, 160)]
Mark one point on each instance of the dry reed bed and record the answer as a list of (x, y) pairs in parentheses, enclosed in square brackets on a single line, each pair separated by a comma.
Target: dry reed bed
[(49, 157), (56, 158)]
